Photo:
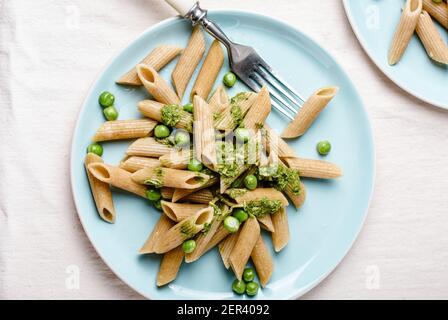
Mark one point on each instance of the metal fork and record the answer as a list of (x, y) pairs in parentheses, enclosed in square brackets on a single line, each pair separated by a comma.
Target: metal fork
[(245, 62)]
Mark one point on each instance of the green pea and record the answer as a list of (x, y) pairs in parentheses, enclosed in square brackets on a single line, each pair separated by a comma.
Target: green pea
[(229, 79), (195, 165), (188, 107), (241, 215), (106, 99), (110, 113), (239, 286), (95, 148), (181, 139), (324, 147), (231, 224), (242, 135), (249, 274), (161, 131), (251, 182), (153, 194), (157, 204), (189, 246), (251, 288)]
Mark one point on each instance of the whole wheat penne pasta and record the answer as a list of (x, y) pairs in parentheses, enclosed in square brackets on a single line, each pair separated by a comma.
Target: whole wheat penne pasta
[(100, 191), (162, 226), (261, 193), (203, 239), (169, 266), (263, 262), (180, 211), (209, 71), (181, 194), (405, 30), (309, 112), (176, 160), (156, 85), (204, 118), (234, 114), (184, 230), (297, 200), (242, 250), (135, 163), (437, 10), (163, 113), (311, 168), (116, 177), (280, 236), (188, 61), (219, 236), (167, 177), (256, 116), (266, 223), (148, 147), (200, 196), (197, 129), (431, 38), (275, 145), (157, 58), (124, 129), (226, 182), (219, 100), (226, 246)]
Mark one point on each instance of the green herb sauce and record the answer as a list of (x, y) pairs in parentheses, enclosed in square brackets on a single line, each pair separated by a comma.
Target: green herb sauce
[(262, 207), (171, 114)]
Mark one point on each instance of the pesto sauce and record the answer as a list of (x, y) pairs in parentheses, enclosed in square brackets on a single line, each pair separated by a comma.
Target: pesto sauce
[(284, 178), (235, 193), (187, 229), (235, 109), (156, 182), (262, 207), (171, 115)]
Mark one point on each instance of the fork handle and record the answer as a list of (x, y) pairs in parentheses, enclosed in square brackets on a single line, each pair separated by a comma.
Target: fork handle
[(182, 6)]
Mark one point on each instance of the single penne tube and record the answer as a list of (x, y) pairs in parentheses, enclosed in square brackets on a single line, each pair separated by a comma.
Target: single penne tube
[(157, 58), (247, 239), (169, 266), (178, 159), (180, 211), (261, 193), (226, 246), (148, 147), (100, 191), (171, 115), (116, 177), (265, 222), (297, 199), (219, 100), (217, 238), (405, 30), (167, 177), (156, 85), (432, 40), (280, 236), (161, 227), (135, 163), (256, 117), (200, 196), (188, 61), (181, 194), (183, 230), (197, 128), (209, 71), (204, 120), (438, 11), (234, 114), (202, 241), (262, 259), (311, 168), (309, 112), (124, 129), (274, 145)]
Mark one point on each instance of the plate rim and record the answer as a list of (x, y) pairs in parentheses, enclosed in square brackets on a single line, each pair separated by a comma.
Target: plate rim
[(118, 52), (389, 75)]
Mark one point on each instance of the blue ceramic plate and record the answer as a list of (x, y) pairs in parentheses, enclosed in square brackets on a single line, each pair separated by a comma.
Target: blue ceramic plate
[(374, 23), (321, 232)]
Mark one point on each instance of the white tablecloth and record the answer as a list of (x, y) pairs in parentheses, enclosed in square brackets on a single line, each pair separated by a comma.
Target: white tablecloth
[(51, 51)]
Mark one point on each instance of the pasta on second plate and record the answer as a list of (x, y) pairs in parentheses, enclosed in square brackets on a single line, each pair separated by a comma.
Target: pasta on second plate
[(220, 175)]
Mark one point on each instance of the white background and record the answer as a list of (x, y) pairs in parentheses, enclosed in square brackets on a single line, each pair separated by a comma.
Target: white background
[(51, 51)]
